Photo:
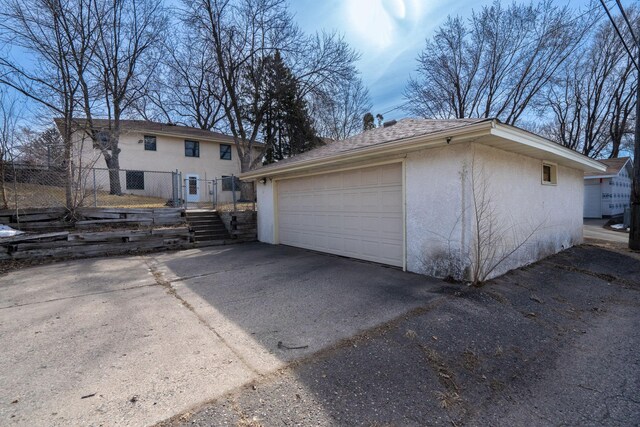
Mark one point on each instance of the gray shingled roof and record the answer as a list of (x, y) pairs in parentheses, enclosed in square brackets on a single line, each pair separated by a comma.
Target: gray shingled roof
[(403, 129), (614, 166), (145, 126)]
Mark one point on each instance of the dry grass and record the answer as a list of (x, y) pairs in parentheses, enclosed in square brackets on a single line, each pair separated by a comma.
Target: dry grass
[(45, 196), (228, 207)]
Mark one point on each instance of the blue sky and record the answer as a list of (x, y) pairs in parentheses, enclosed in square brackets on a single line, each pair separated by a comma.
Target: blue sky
[(389, 34)]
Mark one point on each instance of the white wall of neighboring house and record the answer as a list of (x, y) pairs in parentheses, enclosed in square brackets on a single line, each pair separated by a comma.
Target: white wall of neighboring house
[(168, 157), (607, 196), (439, 209)]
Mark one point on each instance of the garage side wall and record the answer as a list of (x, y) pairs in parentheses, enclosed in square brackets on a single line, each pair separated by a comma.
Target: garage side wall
[(522, 205), (436, 224), (266, 211)]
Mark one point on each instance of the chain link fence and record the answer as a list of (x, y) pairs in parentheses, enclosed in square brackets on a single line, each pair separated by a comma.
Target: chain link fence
[(24, 186), (222, 193)]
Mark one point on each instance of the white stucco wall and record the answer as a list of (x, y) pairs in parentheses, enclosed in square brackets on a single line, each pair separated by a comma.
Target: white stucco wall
[(440, 223), (435, 226), (440, 214), (266, 211)]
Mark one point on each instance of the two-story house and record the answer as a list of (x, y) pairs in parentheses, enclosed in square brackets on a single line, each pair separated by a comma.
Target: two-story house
[(199, 156)]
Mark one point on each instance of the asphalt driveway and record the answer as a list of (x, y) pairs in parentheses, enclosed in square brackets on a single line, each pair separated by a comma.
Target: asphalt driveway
[(261, 335), (135, 340)]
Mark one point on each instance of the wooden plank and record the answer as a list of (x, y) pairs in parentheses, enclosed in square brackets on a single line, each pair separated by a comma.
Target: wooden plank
[(12, 212), (170, 231), (101, 215), (100, 249), (163, 211), (30, 237), (118, 210), (41, 217), (107, 235), (112, 221), (177, 221), (52, 225)]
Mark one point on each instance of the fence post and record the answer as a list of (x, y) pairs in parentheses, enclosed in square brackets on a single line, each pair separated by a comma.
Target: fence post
[(233, 190), (95, 190), (215, 194), (180, 191), (174, 188)]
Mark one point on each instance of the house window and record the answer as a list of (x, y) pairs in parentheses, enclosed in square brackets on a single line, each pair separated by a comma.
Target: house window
[(149, 143), (549, 173), (191, 148), (225, 152), (227, 183), (135, 180)]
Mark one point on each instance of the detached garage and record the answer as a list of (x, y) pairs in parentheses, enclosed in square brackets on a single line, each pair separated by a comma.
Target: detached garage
[(421, 195), (608, 193)]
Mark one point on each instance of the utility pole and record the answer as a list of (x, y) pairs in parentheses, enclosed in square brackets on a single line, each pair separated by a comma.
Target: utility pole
[(634, 234)]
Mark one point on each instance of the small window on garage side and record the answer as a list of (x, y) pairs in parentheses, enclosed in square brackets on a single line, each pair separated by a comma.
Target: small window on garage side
[(227, 183), (135, 180), (149, 143), (549, 173), (225, 152), (191, 148)]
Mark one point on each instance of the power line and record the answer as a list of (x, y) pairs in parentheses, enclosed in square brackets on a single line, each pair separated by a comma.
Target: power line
[(626, 19), (615, 26)]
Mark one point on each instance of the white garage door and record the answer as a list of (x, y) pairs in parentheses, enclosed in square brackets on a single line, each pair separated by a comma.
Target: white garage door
[(592, 201), (356, 213)]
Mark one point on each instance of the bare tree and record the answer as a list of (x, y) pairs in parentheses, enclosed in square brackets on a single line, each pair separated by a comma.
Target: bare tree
[(497, 64), (8, 139), (338, 112), (495, 239), (41, 147), (57, 35), (240, 35), (127, 33), (593, 98), (187, 89)]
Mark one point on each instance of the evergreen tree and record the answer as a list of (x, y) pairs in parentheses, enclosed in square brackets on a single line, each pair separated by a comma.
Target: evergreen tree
[(368, 122), (287, 126)]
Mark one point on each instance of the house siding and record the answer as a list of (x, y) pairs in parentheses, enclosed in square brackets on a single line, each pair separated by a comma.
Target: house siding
[(168, 156)]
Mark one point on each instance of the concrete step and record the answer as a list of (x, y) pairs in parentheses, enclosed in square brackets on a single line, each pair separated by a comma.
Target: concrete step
[(212, 228), (205, 232), (209, 237)]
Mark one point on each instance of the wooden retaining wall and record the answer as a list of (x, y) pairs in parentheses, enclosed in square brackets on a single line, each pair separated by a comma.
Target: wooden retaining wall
[(241, 225), (97, 232), (56, 219)]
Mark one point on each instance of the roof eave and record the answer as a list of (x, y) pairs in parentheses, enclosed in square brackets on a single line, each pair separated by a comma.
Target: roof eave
[(575, 159), (408, 144)]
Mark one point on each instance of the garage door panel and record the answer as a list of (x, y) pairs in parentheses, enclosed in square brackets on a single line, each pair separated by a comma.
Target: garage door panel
[(392, 176), (593, 201), (354, 213)]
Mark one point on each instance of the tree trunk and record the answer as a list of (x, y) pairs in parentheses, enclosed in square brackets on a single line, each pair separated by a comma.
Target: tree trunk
[(3, 179), (113, 164), (247, 192)]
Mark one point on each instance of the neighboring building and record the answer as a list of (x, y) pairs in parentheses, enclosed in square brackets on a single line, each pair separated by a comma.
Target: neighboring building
[(412, 193), (199, 155), (607, 193)]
